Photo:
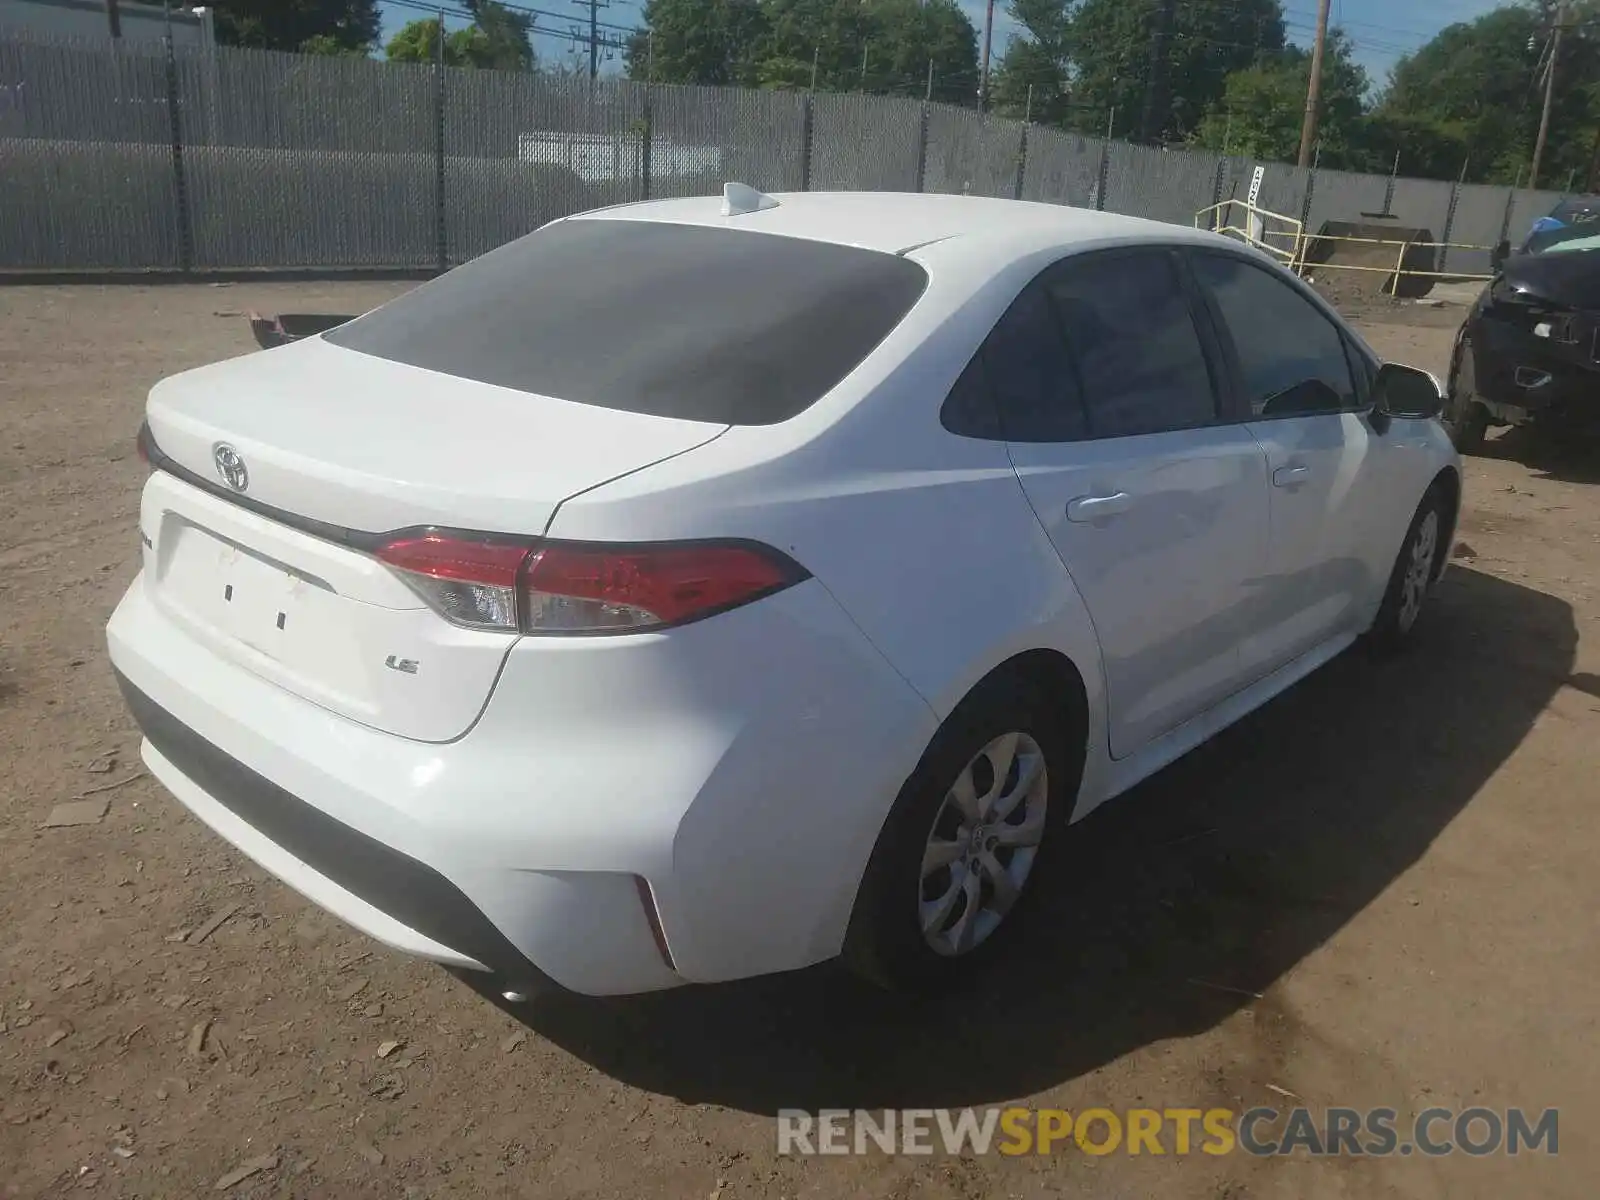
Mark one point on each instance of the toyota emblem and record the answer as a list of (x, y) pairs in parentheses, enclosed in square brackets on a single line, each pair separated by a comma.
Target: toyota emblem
[(230, 465)]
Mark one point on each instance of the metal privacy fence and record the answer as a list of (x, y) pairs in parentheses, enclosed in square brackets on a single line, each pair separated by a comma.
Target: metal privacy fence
[(139, 157)]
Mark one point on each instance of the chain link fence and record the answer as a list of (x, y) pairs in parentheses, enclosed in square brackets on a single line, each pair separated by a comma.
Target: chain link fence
[(140, 157)]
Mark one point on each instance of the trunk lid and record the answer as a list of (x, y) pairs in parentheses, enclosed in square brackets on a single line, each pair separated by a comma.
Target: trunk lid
[(356, 441), (276, 579)]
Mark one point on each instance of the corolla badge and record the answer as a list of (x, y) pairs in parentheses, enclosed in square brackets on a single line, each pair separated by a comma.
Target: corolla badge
[(230, 465)]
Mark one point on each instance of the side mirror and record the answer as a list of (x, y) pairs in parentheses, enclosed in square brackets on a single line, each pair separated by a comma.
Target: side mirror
[(1407, 393), (1499, 254)]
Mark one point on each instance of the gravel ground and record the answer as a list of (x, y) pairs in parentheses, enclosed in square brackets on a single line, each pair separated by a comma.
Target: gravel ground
[(1378, 890)]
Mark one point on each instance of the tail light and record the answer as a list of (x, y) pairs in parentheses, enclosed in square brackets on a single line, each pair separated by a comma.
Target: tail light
[(573, 588)]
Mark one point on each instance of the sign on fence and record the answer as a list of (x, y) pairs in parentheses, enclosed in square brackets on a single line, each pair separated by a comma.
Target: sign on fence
[(1257, 227)]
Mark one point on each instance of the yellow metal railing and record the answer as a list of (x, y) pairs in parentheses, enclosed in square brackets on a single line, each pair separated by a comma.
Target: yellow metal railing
[(1258, 229), (1285, 238)]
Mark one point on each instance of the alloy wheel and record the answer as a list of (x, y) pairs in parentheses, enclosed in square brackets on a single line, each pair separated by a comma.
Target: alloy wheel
[(1419, 570), (983, 844)]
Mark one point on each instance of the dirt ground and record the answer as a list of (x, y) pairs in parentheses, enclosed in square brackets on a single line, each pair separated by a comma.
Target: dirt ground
[(1380, 890)]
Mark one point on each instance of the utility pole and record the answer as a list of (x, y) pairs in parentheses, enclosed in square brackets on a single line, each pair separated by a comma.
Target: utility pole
[(594, 38), (114, 18), (1155, 90), (983, 71), (1308, 129), (1549, 94)]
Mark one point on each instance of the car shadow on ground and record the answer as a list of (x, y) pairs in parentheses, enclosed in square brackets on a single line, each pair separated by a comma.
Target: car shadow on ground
[(1227, 868), (1547, 455)]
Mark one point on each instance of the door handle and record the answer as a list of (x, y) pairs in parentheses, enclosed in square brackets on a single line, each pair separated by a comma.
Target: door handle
[(1092, 508), (1289, 476)]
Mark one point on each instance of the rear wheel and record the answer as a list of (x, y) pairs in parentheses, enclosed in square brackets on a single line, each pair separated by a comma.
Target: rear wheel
[(1465, 415), (965, 837)]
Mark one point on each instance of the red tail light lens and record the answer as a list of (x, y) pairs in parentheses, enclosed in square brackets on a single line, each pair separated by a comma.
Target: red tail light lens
[(563, 588), (596, 589), (471, 583)]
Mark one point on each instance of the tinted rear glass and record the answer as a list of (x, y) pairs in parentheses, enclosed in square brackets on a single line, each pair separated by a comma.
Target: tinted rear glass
[(671, 320)]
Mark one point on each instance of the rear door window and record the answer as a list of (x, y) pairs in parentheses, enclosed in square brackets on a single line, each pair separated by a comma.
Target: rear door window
[(1131, 332), (682, 321)]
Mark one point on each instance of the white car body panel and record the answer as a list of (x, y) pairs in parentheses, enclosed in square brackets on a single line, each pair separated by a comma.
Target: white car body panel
[(356, 441), (1170, 576), (740, 766)]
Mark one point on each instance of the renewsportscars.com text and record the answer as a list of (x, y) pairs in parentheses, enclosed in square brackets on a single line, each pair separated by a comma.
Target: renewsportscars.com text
[(1330, 1132)]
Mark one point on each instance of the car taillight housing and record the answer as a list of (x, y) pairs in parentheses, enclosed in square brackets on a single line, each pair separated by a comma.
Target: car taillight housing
[(568, 588)]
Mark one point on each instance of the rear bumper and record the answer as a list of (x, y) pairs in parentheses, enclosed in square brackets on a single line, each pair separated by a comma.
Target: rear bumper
[(393, 897), (740, 767)]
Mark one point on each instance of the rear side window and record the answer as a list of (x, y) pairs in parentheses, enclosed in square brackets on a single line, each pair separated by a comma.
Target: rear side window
[(1020, 385), (680, 321), (1292, 358), (1131, 331), (1029, 375)]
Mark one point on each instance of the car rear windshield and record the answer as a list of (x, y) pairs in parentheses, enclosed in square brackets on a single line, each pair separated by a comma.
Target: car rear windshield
[(683, 321)]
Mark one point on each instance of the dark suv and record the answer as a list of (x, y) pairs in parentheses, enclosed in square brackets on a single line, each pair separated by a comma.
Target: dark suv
[(1529, 351)]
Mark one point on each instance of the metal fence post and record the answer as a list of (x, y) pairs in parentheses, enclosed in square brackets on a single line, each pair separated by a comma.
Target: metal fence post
[(807, 126), (1449, 221), (179, 181), (1305, 220), (1511, 204), (922, 149), (1216, 190), (647, 139), (1022, 162), (441, 229), (1102, 176)]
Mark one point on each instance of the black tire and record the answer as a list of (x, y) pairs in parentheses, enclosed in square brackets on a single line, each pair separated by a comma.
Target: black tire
[(885, 943), (1401, 610), (1465, 416)]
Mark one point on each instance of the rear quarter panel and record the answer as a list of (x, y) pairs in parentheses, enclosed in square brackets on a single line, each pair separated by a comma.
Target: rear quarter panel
[(925, 539)]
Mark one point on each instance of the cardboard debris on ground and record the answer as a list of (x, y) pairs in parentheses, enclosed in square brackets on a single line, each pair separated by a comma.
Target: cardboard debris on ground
[(246, 1169), (214, 924), (197, 1037), (113, 786), (77, 812)]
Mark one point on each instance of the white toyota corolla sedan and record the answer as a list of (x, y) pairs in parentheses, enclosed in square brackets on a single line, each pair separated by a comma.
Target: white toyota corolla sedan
[(703, 588)]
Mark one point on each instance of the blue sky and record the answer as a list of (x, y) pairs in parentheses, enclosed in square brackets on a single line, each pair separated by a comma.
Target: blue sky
[(1382, 30)]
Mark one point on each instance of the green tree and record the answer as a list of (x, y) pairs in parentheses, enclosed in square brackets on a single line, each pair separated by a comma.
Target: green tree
[(1030, 80), (1109, 43), (1260, 111), (418, 42), (1037, 62), (291, 24), (497, 39), (1475, 86), (328, 46), (879, 46), (698, 41)]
